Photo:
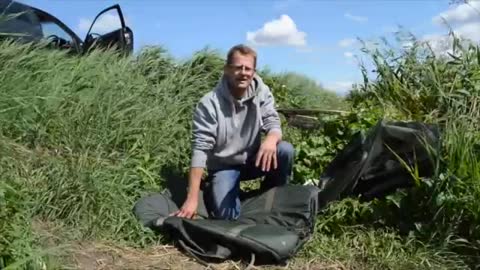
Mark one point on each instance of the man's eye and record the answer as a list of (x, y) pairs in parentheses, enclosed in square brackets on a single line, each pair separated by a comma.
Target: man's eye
[(244, 67)]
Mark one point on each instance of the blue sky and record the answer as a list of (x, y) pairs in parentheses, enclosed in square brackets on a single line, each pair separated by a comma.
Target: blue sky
[(313, 37)]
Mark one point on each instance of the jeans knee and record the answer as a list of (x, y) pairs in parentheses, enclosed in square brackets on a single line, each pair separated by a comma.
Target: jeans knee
[(221, 196), (226, 209), (225, 213), (286, 150)]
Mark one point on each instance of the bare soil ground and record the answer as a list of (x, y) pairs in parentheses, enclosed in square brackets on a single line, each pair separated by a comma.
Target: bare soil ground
[(109, 256)]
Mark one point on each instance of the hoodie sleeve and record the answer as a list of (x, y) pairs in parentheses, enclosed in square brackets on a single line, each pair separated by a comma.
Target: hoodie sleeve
[(204, 133), (270, 118)]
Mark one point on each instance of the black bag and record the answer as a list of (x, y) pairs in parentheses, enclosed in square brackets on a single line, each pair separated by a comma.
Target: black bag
[(271, 228), (377, 163)]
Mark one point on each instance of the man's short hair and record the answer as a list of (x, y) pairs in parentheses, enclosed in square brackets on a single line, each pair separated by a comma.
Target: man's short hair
[(244, 50)]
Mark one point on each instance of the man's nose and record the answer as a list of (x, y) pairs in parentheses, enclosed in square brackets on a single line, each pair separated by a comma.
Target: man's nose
[(243, 70)]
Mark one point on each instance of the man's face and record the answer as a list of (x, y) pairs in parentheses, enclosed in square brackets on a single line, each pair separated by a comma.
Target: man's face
[(240, 71)]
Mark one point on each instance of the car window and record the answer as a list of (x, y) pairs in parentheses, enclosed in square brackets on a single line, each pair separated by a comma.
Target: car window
[(106, 23), (55, 33), (18, 21), (52, 29)]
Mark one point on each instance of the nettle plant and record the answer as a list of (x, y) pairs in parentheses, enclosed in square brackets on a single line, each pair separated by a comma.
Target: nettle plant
[(315, 148)]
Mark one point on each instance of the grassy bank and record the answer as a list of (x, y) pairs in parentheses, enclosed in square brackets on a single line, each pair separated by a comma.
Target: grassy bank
[(81, 139)]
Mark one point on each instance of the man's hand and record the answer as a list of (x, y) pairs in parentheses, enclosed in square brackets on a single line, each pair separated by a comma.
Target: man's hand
[(188, 210), (267, 154), (189, 207)]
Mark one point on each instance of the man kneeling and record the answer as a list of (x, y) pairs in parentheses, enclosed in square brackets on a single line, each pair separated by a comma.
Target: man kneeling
[(227, 126)]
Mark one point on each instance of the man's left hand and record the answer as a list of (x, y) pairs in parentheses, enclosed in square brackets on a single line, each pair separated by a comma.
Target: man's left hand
[(267, 154)]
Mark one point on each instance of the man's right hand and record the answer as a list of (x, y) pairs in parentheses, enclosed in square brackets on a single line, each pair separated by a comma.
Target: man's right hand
[(189, 207), (188, 210)]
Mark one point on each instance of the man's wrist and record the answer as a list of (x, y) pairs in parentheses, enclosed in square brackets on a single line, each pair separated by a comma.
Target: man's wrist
[(194, 183), (274, 135), (193, 196)]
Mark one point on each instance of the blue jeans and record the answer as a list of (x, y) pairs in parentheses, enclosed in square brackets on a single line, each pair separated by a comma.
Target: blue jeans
[(222, 188)]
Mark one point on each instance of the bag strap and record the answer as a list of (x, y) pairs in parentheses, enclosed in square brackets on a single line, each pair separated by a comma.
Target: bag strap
[(252, 261), (235, 231), (191, 252)]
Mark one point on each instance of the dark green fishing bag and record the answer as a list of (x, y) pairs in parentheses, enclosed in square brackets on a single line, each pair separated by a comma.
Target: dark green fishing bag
[(271, 228)]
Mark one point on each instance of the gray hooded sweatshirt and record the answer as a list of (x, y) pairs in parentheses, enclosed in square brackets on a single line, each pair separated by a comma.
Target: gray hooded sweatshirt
[(226, 130)]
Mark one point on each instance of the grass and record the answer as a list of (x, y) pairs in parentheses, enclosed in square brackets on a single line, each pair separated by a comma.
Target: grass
[(442, 90), (83, 138), (361, 248)]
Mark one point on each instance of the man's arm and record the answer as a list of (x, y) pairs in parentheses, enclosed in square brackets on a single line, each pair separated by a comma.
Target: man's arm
[(189, 207), (267, 155), (203, 140), (270, 117)]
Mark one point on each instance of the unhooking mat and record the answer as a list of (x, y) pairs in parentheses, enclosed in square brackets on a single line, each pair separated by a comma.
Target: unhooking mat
[(271, 228)]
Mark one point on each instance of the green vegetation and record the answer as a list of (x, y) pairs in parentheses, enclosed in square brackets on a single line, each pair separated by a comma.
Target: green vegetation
[(299, 91), (82, 138)]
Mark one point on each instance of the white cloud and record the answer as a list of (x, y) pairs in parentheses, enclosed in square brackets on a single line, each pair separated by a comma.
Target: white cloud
[(469, 31), (463, 20), (347, 42), (104, 24), (348, 54), (340, 87), (440, 44), (355, 18), (407, 44), (459, 14), (282, 31)]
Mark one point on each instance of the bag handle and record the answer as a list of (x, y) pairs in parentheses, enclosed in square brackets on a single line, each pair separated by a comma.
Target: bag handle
[(192, 252)]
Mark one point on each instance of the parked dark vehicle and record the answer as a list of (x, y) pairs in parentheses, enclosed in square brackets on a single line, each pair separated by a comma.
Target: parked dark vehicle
[(25, 23)]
